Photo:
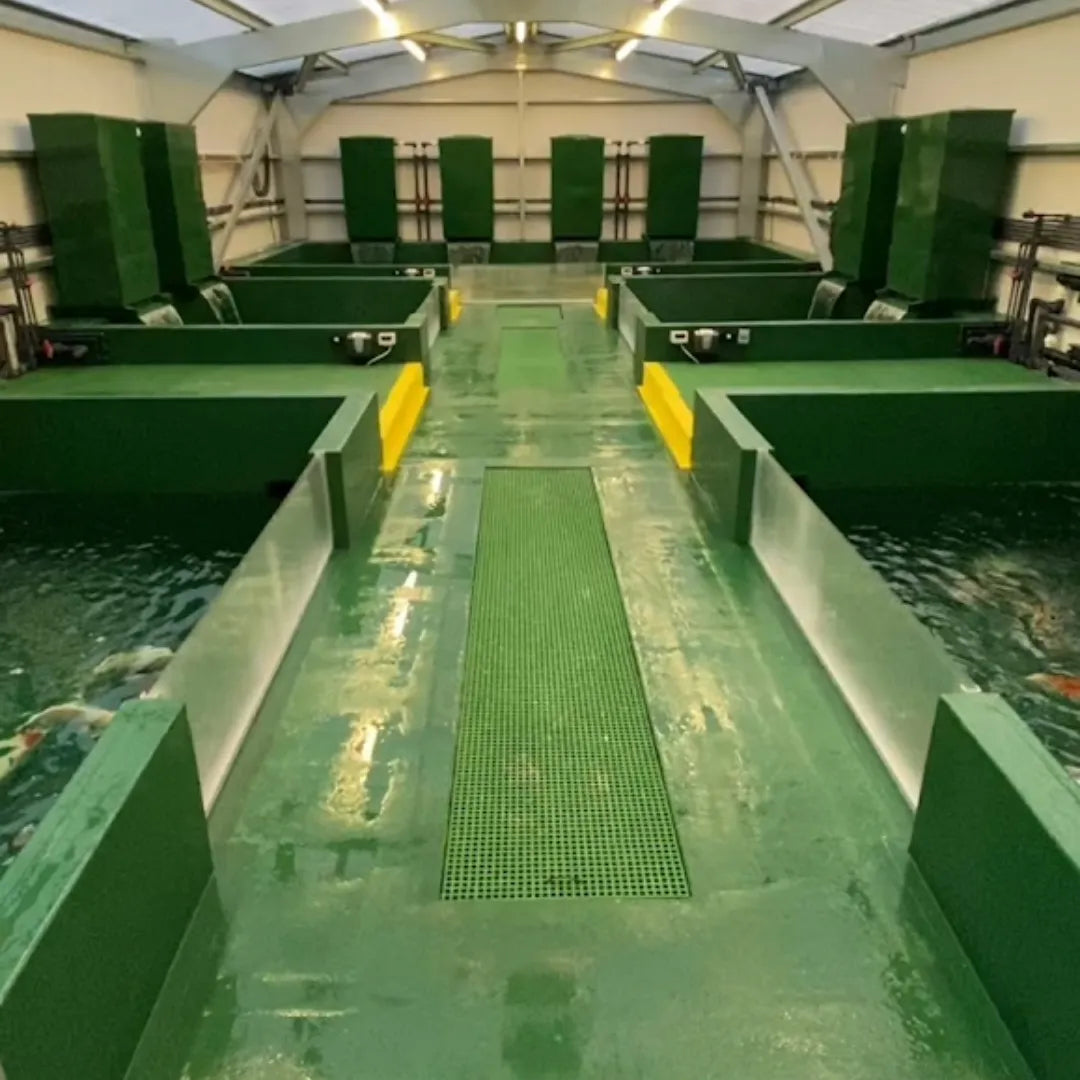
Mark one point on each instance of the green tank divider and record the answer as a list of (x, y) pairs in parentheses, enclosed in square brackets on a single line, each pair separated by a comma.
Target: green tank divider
[(997, 839), (707, 299), (724, 450), (421, 253), (262, 344), (369, 186), (740, 249), (952, 184), (328, 300), (423, 271), (92, 180), (94, 909), (674, 188), (623, 251), (467, 172), (838, 339), (577, 187), (705, 269)]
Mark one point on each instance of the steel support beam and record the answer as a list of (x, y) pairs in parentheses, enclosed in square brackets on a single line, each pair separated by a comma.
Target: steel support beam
[(240, 188), (797, 177), (591, 42), (252, 21), (285, 140), (709, 61), (985, 24), (753, 171), (860, 78), (452, 41), (734, 65)]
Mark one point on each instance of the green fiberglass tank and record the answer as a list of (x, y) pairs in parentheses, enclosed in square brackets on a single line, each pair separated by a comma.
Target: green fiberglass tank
[(369, 185), (95, 195), (577, 188), (952, 186)]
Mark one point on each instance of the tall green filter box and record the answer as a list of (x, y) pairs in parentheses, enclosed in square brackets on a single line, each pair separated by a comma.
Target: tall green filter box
[(952, 187), (467, 173), (95, 195), (369, 183), (674, 187), (577, 187), (862, 222), (170, 158)]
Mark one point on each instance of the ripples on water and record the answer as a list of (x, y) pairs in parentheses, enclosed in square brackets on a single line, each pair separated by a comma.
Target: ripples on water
[(995, 573), (81, 579)]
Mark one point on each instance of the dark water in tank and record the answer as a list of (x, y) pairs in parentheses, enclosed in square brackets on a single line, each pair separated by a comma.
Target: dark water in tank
[(995, 573), (83, 579)]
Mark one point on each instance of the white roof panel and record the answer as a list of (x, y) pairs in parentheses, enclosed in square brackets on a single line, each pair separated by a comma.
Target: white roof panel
[(286, 11), (874, 21), (177, 20), (752, 10)]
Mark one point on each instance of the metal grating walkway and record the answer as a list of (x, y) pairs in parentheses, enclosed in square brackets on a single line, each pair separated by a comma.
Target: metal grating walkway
[(558, 789)]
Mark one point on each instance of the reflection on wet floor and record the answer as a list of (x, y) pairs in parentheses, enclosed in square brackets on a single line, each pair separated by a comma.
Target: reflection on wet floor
[(807, 949)]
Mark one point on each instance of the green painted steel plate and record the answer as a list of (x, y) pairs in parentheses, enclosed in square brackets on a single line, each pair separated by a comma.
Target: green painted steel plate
[(369, 185), (466, 173), (558, 789)]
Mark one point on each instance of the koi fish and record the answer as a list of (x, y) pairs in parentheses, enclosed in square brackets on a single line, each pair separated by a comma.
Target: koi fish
[(1066, 686)]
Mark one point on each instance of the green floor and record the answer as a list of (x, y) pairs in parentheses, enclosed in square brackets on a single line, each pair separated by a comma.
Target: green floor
[(808, 947)]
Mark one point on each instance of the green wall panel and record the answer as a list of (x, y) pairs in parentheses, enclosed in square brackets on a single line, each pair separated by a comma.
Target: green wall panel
[(170, 158), (156, 444), (674, 186), (94, 187), (705, 299), (997, 838), (95, 907), (952, 185), (862, 221), (369, 184), (948, 437), (467, 173), (577, 187)]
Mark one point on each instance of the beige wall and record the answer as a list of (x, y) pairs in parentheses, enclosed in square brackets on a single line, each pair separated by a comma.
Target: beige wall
[(1032, 70), (487, 104), (52, 77)]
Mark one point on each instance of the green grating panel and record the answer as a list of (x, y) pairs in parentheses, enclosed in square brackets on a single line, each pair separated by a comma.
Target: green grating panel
[(557, 789)]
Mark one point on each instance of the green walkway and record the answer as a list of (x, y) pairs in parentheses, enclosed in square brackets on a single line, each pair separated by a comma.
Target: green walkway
[(808, 947)]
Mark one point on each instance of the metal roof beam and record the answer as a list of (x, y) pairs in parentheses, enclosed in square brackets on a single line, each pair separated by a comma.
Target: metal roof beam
[(452, 41), (803, 11), (981, 24), (611, 37)]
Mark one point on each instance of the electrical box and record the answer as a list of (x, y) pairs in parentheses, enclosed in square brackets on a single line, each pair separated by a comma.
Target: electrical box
[(369, 186)]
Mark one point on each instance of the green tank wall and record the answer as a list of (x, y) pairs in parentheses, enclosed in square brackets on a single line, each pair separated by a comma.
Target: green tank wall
[(577, 187), (952, 184), (467, 173), (94, 187), (170, 160), (369, 186), (862, 221), (674, 187)]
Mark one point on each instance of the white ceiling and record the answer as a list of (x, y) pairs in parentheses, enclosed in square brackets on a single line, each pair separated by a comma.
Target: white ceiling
[(185, 21)]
